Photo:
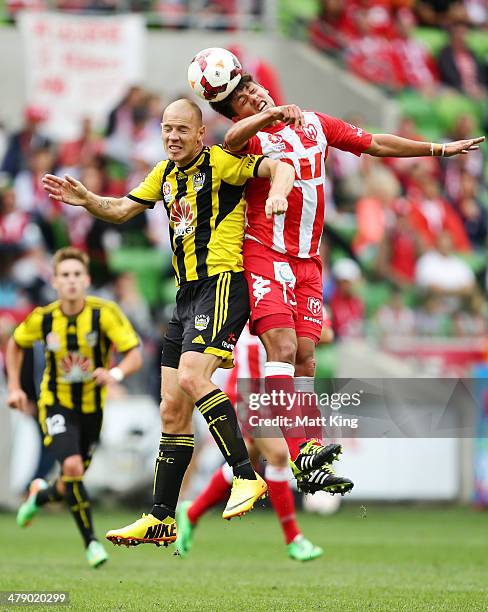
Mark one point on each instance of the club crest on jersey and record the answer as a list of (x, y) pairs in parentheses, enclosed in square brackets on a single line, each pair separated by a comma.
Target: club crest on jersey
[(92, 339), (76, 368), (276, 142), (181, 216), (315, 306), (198, 180), (167, 192), (310, 131), (53, 342), (201, 322)]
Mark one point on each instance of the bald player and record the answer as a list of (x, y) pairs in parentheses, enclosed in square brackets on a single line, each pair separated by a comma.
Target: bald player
[(202, 190)]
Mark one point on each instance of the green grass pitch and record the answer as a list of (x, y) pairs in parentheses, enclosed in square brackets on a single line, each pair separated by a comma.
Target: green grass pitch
[(377, 559)]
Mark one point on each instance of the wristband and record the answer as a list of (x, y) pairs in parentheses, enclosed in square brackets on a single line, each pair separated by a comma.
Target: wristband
[(117, 374)]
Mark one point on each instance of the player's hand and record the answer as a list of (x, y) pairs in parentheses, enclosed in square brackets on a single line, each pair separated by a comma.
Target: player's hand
[(462, 147), (18, 399), (66, 189), (102, 377), (290, 114), (275, 205)]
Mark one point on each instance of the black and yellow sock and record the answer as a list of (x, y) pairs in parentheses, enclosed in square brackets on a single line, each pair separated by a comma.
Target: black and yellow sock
[(221, 418), (51, 494), (79, 504), (175, 451)]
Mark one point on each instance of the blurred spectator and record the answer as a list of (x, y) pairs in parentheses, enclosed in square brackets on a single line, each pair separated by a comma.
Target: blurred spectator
[(437, 13), (374, 209), (458, 66), (432, 214), (346, 308), (431, 318), (129, 298), (394, 318), (472, 212), (122, 122), (75, 153), (442, 271), (400, 247), (25, 141), (473, 321), (334, 28), (477, 12)]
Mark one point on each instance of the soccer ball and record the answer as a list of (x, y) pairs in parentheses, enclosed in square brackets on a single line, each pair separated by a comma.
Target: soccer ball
[(321, 503), (214, 73)]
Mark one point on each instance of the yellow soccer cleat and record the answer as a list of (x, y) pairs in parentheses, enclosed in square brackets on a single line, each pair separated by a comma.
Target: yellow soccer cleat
[(146, 530), (244, 494)]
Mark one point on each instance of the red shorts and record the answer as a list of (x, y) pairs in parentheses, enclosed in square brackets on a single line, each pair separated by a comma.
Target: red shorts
[(284, 291)]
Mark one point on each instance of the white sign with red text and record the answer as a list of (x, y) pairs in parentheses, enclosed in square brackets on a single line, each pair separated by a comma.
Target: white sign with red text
[(80, 66)]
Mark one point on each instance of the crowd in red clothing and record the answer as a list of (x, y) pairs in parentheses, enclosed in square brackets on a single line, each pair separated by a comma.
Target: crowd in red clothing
[(374, 39)]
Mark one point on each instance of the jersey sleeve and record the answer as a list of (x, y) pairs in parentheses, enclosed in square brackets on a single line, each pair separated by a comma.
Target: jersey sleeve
[(30, 330), (118, 328), (253, 147), (345, 136), (235, 168), (148, 192)]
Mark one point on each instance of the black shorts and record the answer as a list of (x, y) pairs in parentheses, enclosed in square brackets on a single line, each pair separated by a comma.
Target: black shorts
[(209, 317), (71, 433)]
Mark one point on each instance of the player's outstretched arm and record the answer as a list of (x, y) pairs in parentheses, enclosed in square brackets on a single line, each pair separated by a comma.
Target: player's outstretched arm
[(131, 362), (282, 177), (14, 357), (237, 136), (389, 145), (73, 192)]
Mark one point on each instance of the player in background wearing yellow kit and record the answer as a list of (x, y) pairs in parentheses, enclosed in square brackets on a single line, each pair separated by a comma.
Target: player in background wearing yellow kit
[(78, 332)]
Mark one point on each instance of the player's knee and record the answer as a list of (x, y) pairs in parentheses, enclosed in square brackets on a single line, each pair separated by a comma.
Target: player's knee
[(305, 366), (281, 347), (173, 418), (73, 467), (191, 381)]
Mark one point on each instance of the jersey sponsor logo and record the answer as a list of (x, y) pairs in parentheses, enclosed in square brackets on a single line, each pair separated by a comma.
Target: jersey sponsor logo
[(198, 180), (260, 287), (75, 368), (310, 131), (92, 338), (284, 273), (56, 424), (167, 192), (276, 142), (53, 342), (182, 217), (198, 340), (201, 321), (228, 345), (161, 530), (312, 319), (314, 305), (232, 338)]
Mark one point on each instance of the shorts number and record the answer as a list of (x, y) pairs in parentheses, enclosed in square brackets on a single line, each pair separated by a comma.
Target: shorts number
[(56, 424)]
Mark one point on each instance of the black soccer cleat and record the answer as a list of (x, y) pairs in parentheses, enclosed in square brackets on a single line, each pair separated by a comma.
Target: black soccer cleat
[(313, 455), (324, 479)]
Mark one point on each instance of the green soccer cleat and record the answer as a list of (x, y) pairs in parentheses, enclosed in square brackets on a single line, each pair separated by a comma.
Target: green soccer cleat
[(96, 554), (313, 455), (302, 549), (29, 508), (184, 541)]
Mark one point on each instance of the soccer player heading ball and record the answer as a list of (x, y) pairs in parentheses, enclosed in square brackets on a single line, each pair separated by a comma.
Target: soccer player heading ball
[(202, 189), (281, 254)]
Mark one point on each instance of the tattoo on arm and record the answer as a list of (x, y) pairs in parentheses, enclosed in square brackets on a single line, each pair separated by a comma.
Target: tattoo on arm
[(104, 203)]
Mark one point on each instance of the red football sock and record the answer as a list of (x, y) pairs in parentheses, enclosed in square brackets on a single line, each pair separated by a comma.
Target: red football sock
[(279, 379), (216, 491), (282, 500)]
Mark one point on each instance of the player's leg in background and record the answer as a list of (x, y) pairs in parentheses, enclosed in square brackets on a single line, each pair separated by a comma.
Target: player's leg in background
[(305, 386)]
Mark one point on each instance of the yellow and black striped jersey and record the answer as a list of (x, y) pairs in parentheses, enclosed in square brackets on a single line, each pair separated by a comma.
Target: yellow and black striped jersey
[(206, 209), (75, 346)]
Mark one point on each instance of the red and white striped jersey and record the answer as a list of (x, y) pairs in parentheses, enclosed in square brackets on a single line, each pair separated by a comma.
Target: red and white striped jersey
[(298, 232)]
